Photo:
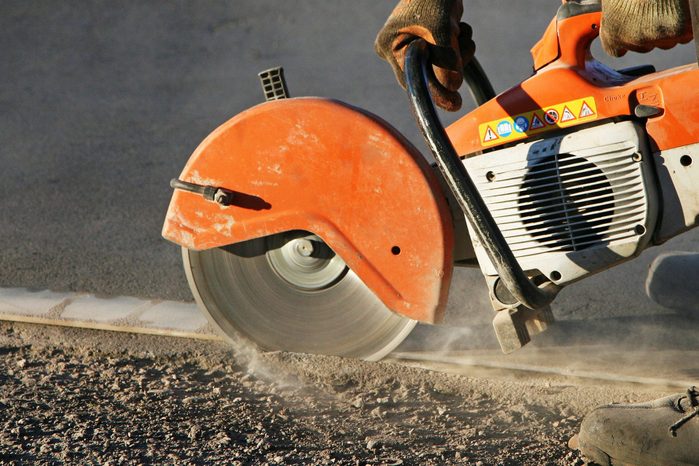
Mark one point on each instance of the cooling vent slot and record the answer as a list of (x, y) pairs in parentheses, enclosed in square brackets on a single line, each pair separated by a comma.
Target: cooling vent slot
[(567, 202)]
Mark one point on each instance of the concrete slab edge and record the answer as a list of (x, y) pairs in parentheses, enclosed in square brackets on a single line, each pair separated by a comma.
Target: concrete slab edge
[(424, 359), (118, 314)]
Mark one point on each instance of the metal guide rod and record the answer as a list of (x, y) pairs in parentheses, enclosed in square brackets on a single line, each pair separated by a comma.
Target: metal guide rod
[(210, 193), (462, 186)]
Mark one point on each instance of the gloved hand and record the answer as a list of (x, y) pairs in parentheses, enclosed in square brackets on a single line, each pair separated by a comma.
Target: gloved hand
[(438, 23), (642, 25)]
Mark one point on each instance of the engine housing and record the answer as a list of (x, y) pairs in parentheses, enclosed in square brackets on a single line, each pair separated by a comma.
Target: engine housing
[(573, 204)]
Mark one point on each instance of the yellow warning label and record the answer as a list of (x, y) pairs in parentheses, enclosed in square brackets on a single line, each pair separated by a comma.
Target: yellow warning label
[(520, 126)]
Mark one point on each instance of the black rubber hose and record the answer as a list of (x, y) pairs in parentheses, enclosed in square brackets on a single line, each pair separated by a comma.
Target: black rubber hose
[(417, 74)]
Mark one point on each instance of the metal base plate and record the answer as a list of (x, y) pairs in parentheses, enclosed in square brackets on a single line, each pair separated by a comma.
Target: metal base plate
[(290, 292)]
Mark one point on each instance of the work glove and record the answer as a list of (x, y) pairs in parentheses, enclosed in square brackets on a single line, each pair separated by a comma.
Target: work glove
[(451, 44), (642, 25)]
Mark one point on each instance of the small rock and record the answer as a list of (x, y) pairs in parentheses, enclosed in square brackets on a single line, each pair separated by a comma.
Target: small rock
[(358, 403), (391, 462), (21, 363), (373, 444)]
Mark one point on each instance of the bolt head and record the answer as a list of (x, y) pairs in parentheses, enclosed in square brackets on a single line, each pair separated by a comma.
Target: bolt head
[(304, 247), (221, 197)]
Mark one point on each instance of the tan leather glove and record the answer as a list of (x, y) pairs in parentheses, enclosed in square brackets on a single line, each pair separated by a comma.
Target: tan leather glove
[(642, 25), (438, 23)]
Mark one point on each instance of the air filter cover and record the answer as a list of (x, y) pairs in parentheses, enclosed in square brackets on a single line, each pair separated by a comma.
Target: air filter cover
[(570, 205)]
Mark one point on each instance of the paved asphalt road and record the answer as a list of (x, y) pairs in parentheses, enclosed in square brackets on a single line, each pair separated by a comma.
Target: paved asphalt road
[(101, 103)]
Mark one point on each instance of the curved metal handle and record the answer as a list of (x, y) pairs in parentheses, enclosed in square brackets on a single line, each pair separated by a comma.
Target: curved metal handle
[(462, 186), (478, 83)]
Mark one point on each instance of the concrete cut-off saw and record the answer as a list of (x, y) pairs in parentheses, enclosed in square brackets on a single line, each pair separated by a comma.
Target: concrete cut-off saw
[(310, 225)]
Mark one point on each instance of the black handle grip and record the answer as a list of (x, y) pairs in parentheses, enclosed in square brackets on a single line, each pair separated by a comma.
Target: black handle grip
[(462, 186), (478, 83)]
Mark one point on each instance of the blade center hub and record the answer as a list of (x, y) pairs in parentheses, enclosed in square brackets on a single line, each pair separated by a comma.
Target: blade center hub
[(306, 263)]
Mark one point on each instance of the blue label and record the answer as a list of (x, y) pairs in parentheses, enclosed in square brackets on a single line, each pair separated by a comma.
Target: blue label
[(504, 128), (521, 124)]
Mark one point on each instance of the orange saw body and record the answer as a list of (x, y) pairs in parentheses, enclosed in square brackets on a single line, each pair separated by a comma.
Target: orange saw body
[(278, 160), (310, 225), (570, 88)]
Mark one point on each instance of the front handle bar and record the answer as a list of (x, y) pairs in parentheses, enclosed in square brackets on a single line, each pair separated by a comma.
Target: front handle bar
[(418, 71)]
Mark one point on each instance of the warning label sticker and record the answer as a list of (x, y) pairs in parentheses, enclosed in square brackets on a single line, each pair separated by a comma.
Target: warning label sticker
[(490, 135), (537, 121), (551, 116), (586, 111), (567, 115)]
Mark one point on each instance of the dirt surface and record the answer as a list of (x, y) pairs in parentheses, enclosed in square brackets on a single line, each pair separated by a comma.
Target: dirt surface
[(77, 396)]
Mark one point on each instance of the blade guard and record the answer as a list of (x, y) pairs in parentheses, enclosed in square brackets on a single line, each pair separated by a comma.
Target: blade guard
[(336, 171), (573, 89)]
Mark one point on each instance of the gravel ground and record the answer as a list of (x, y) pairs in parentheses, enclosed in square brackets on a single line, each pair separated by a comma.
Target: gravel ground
[(77, 396)]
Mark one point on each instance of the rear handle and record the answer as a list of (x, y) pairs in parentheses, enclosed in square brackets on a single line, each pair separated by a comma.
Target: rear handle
[(417, 74)]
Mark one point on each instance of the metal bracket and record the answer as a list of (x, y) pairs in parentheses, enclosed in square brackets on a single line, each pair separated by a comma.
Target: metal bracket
[(647, 111), (515, 327), (274, 84)]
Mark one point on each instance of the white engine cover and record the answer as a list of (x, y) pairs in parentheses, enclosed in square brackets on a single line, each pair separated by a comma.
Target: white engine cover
[(570, 205)]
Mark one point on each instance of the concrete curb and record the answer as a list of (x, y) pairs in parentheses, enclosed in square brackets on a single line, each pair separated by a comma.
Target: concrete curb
[(121, 313)]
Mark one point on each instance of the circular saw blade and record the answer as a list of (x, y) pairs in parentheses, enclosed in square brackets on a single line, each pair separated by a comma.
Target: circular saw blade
[(246, 292)]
